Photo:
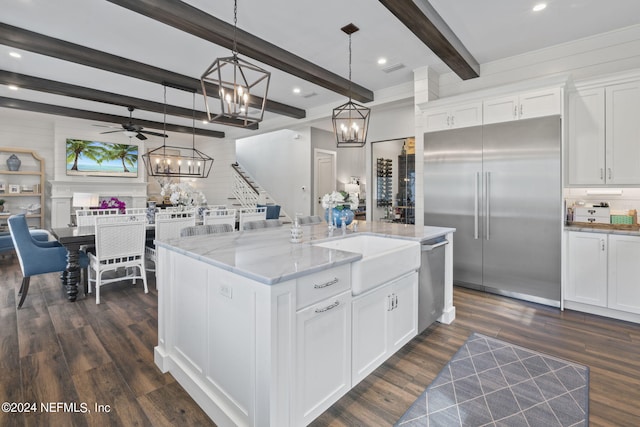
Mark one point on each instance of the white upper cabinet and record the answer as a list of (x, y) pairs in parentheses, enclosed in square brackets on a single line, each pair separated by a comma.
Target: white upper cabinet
[(623, 133), (586, 137), (604, 135), (527, 105), (454, 116)]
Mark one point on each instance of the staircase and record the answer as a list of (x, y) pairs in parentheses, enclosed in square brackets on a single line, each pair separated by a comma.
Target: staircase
[(247, 193)]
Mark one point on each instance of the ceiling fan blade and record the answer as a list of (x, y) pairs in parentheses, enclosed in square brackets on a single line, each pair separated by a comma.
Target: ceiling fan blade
[(110, 131), (105, 126), (140, 136), (153, 133)]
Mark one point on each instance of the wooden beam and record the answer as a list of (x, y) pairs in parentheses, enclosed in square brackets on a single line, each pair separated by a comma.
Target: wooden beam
[(19, 104), (194, 21), (423, 21), (80, 92), (56, 48)]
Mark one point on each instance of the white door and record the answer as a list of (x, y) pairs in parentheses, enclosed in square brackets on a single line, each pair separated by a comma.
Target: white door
[(623, 131), (587, 268), (404, 314), (325, 177), (624, 270)]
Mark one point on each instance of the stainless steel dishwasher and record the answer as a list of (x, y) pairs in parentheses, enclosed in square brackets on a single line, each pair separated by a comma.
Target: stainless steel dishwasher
[(431, 282)]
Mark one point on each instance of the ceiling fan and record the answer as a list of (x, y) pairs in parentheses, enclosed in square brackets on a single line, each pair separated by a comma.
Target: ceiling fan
[(130, 129)]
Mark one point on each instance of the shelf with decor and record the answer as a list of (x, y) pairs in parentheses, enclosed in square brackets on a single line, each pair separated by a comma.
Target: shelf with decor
[(21, 186)]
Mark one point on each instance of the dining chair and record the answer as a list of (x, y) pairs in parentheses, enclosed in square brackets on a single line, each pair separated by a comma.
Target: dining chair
[(200, 230), (251, 214), (120, 243), (262, 223), (36, 256), (168, 226), (219, 216), (86, 217), (313, 219), (136, 211)]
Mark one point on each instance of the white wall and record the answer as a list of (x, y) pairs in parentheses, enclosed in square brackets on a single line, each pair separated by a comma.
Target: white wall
[(279, 163)]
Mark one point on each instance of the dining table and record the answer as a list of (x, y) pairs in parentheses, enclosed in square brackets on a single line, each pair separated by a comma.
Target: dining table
[(73, 238)]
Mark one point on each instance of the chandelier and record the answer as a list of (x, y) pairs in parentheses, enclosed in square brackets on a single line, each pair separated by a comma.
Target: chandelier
[(350, 120), (242, 87), (179, 162)]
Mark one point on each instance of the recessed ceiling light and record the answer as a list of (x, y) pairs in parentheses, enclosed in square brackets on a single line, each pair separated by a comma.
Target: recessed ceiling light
[(296, 90), (15, 55), (205, 122), (539, 7), (13, 87), (382, 61)]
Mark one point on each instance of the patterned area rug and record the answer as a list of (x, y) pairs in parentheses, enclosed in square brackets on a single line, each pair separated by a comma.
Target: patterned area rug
[(489, 382)]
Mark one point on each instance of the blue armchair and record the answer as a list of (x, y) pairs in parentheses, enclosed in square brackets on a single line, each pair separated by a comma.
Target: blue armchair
[(36, 257), (273, 211)]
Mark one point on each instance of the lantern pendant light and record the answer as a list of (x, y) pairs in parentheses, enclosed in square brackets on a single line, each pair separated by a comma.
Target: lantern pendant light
[(179, 162), (241, 86), (350, 120)]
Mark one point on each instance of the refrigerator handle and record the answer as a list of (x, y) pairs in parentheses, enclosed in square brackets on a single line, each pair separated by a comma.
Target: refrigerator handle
[(476, 206), (487, 180)]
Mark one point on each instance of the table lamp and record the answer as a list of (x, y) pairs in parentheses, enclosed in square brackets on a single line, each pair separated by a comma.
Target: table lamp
[(84, 200)]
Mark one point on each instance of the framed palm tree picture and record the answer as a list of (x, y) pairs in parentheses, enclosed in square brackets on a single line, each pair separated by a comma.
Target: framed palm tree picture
[(93, 158)]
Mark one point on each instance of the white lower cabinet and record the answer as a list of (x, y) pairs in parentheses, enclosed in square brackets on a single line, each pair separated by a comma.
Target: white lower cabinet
[(383, 321), (323, 356), (603, 271), (624, 273), (587, 263)]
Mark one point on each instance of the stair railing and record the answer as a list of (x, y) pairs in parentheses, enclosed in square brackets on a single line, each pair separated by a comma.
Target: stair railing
[(245, 192)]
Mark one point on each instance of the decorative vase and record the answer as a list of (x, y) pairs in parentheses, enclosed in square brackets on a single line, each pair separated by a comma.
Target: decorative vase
[(13, 163), (337, 216)]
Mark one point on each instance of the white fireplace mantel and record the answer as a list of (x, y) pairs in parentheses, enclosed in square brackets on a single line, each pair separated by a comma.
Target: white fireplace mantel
[(133, 193)]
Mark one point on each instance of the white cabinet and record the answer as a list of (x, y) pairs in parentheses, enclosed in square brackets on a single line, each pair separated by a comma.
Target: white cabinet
[(323, 356), (528, 105), (603, 271), (455, 116), (623, 133), (383, 321), (624, 273), (587, 268), (586, 147), (604, 130)]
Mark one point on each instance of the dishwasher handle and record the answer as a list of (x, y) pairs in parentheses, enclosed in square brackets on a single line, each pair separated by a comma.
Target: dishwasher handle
[(427, 248)]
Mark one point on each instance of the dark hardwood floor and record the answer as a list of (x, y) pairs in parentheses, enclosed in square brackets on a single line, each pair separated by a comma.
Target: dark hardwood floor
[(55, 352)]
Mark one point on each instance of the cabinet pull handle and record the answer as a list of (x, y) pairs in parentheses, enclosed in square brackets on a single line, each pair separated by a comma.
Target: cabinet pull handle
[(448, 120), (453, 121), (396, 301), (520, 110), (515, 111), (602, 244), (326, 284), (601, 173), (609, 170), (476, 207), (327, 308)]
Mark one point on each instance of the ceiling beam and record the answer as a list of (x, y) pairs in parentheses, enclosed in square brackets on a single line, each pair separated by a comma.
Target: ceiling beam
[(38, 107), (194, 21), (80, 92), (56, 48), (423, 21)]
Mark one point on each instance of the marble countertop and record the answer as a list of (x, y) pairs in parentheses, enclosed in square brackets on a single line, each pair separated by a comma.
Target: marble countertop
[(601, 230), (267, 256)]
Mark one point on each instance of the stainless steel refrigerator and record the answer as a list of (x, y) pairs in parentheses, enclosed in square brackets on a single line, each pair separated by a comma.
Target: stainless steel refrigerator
[(499, 185)]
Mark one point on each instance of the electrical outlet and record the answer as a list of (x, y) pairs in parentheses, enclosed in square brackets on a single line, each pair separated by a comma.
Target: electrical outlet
[(225, 291)]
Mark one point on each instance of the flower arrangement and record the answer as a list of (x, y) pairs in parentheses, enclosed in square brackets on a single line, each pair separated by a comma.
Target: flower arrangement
[(340, 200), (114, 203), (183, 194)]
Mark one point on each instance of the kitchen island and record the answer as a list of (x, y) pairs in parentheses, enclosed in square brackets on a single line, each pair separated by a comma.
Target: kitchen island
[(264, 332)]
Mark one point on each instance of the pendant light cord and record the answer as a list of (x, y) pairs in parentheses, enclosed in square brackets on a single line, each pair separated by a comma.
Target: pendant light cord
[(235, 26), (349, 67)]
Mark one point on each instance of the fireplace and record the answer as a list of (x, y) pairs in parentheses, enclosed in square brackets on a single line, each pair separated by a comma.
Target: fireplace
[(134, 194)]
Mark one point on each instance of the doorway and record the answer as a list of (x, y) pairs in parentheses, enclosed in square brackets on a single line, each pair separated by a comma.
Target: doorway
[(324, 180)]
